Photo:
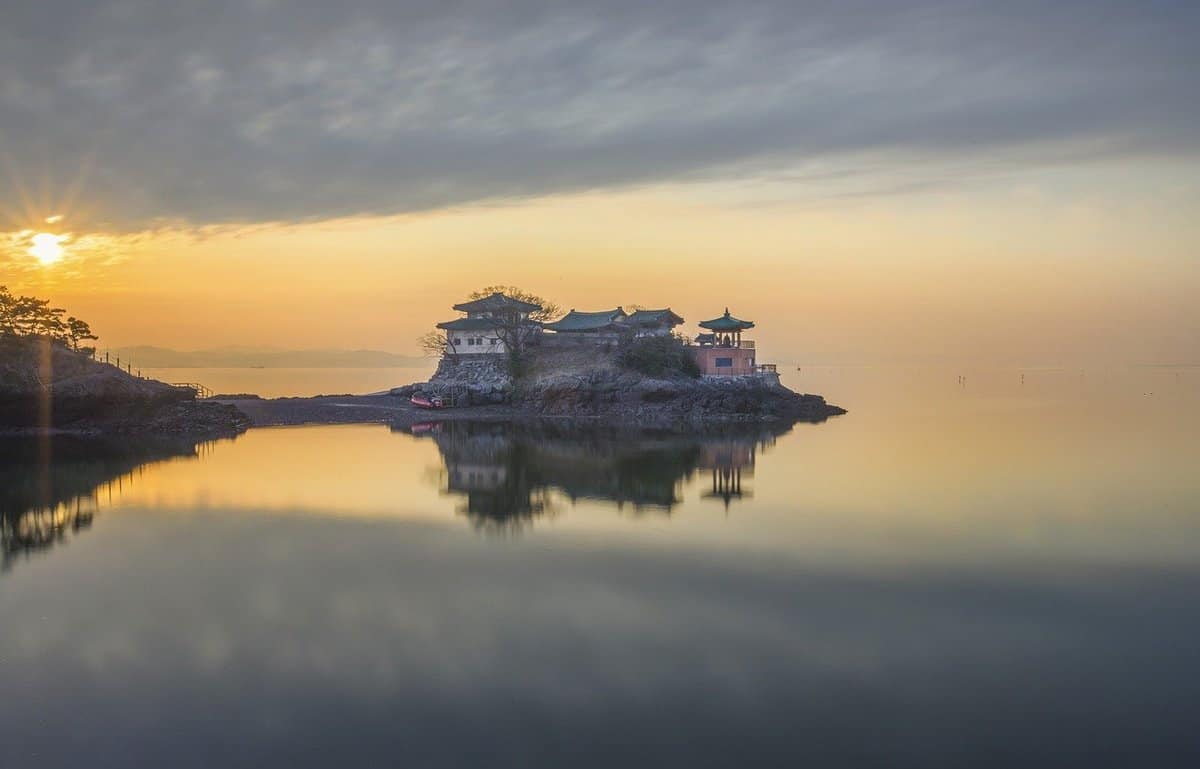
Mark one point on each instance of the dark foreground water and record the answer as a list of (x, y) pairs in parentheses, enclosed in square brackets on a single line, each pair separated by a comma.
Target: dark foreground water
[(996, 574)]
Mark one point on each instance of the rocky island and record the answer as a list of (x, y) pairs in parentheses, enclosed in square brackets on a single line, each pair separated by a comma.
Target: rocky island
[(506, 358), (605, 364), (583, 385), (602, 384)]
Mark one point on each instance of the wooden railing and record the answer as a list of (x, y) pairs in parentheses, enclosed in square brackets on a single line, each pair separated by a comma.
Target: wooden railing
[(200, 390)]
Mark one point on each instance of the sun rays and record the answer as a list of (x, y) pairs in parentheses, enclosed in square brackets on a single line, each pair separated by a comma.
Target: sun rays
[(36, 211)]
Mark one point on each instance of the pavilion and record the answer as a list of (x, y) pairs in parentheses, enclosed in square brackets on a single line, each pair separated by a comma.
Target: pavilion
[(725, 331), (722, 351)]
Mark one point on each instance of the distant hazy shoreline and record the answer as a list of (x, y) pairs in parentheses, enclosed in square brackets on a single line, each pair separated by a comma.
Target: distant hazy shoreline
[(162, 357)]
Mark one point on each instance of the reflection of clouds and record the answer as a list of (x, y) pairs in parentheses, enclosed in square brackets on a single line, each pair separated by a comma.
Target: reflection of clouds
[(397, 631)]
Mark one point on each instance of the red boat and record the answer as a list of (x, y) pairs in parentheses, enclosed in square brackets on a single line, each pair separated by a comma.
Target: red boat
[(421, 402)]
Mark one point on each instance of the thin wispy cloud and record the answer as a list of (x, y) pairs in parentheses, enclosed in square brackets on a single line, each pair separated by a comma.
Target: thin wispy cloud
[(143, 113)]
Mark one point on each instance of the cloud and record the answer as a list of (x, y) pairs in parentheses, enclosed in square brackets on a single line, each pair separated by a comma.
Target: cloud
[(133, 113)]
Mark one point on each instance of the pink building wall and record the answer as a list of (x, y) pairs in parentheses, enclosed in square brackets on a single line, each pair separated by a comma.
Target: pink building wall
[(724, 361)]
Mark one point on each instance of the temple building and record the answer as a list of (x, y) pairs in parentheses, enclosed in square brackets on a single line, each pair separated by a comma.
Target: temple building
[(652, 322), (488, 325), (583, 327), (722, 351), (607, 326)]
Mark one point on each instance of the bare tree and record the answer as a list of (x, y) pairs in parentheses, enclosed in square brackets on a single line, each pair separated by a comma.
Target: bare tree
[(549, 310), (433, 344)]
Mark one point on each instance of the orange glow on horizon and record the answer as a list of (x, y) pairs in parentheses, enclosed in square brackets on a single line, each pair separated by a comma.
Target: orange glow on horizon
[(867, 281)]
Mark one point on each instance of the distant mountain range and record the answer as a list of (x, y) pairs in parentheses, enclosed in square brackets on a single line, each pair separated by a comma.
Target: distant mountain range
[(248, 357)]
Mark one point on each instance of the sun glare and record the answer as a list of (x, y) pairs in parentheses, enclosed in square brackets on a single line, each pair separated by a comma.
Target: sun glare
[(47, 247)]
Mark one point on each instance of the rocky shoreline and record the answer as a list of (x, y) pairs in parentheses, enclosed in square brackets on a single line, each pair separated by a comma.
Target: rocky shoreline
[(590, 384), (85, 397), (622, 401)]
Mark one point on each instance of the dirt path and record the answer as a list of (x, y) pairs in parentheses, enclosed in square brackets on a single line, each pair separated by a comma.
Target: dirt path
[(351, 409)]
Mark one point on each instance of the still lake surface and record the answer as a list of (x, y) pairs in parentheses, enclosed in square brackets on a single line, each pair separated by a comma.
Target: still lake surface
[(993, 573)]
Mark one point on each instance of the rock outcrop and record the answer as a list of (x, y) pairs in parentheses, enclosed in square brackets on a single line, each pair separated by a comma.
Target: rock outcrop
[(46, 386), (632, 398), (591, 383), (467, 381)]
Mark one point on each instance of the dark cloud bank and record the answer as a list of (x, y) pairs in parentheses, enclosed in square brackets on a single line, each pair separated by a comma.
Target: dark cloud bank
[(250, 111)]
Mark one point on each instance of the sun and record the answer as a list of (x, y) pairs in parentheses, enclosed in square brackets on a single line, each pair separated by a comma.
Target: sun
[(47, 247)]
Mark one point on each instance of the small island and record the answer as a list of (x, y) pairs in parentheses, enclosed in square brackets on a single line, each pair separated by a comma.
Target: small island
[(612, 364), (511, 355)]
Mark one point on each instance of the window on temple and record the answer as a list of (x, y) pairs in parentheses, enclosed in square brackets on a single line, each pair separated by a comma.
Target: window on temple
[(724, 362)]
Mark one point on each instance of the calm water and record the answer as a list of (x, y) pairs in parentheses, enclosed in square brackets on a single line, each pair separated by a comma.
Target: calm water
[(988, 574), (283, 382)]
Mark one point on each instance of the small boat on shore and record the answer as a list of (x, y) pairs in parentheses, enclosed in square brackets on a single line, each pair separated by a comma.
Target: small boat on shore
[(421, 402)]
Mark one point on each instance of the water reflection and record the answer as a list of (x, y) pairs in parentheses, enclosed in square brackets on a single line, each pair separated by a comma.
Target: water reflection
[(983, 582), (506, 472), (52, 487)]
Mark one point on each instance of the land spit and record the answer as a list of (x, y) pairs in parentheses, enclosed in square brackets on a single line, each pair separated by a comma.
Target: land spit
[(47, 388), (617, 399)]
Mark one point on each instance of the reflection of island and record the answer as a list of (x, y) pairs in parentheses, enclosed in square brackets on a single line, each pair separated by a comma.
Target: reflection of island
[(51, 487), (507, 471)]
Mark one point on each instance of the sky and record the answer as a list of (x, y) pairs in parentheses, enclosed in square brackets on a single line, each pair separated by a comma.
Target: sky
[(879, 181)]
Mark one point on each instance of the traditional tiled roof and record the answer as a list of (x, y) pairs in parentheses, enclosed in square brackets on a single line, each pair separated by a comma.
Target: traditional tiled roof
[(653, 318), (470, 324), (586, 321), (706, 338), (726, 323), (497, 303)]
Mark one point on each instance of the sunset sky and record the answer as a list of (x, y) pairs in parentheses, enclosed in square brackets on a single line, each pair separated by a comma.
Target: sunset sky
[(869, 181)]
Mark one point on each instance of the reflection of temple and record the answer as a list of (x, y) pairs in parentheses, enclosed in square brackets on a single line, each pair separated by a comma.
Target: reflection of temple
[(729, 460), (507, 472), (52, 487), (486, 465)]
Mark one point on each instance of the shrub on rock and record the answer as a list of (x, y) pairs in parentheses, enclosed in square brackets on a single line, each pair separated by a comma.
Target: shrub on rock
[(658, 356)]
